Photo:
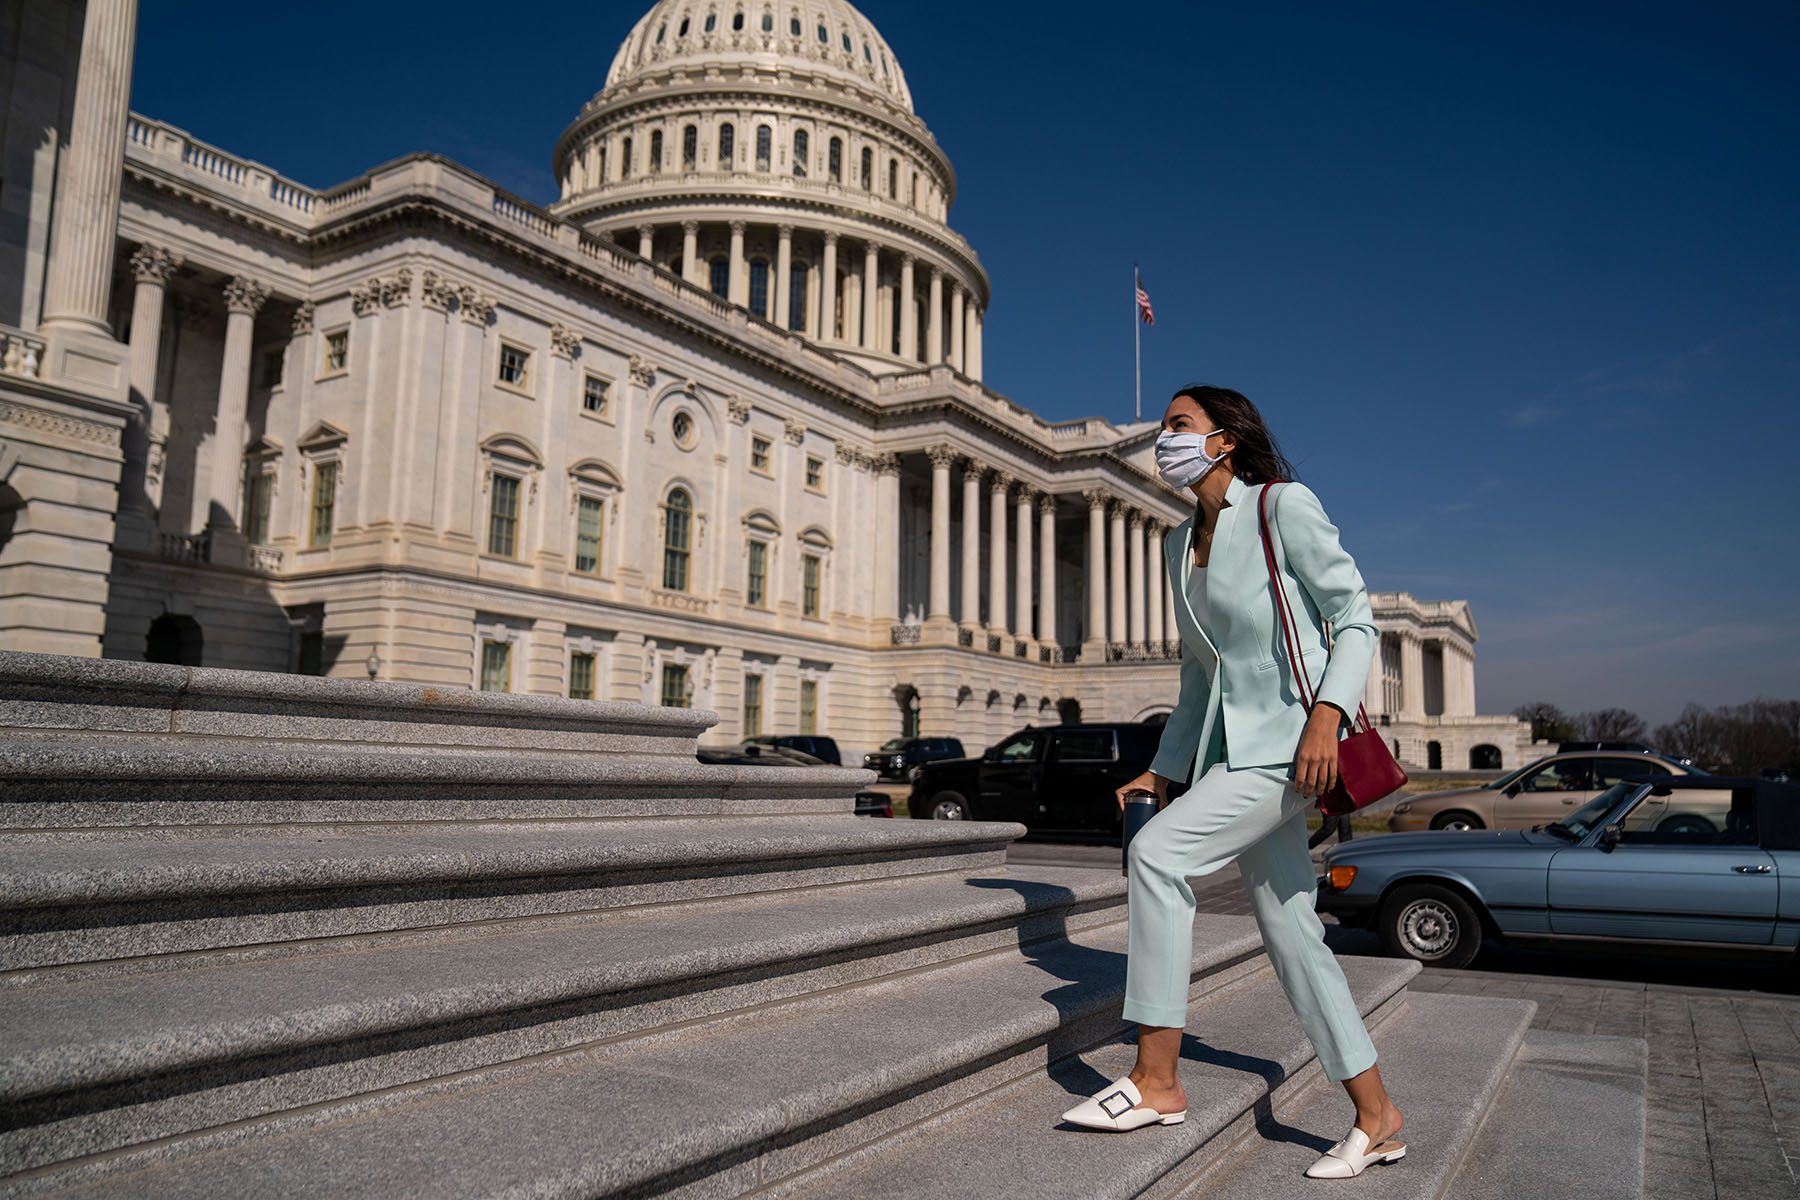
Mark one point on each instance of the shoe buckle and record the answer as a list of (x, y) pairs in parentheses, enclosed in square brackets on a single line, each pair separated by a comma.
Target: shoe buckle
[(1122, 1098)]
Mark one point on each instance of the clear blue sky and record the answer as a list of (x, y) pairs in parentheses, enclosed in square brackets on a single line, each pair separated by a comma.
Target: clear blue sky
[(1516, 284)]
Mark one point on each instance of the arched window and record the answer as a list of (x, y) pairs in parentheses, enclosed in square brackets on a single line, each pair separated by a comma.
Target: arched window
[(625, 159), (174, 639), (655, 151), (768, 22), (848, 48), (712, 20), (765, 139), (893, 179), (802, 147), (824, 35), (794, 26), (681, 32), (834, 166), (737, 22), (660, 30), (690, 147), (868, 169), (796, 313), (894, 333), (915, 189), (727, 146), (759, 287), (677, 526), (721, 275), (867, 57)]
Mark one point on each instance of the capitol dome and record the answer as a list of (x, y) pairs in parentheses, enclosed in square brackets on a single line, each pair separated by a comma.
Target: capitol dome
[(769, 151), (826, 37)]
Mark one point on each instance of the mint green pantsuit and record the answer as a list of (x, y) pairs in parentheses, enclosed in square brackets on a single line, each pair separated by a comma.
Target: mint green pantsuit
[(1236, 728)]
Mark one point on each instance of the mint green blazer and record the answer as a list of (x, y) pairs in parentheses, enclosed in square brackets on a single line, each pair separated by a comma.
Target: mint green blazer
[(1245, 680)]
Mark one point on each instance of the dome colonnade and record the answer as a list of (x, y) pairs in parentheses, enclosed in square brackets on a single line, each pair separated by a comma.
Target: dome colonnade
[(769, 152)]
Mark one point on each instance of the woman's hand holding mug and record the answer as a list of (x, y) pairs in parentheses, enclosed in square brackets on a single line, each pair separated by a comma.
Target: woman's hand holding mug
[(1149, 781)]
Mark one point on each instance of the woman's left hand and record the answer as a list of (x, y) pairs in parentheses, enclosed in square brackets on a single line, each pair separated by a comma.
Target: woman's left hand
[(1316, 762)]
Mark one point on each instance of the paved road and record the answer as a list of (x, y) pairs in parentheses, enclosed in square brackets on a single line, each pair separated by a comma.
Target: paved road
[(1724, 1037)]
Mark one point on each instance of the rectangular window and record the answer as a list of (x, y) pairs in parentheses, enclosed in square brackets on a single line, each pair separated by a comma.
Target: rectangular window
[(257, 489), (759, 454), (809, 585), (503, 515), (752, 705), (581, 677), (324, 500), (593, 395), (514, 366), (815, 473), (272, 361), (337, 351), (588, 511), (674, 685), (809, 706), (496, 667), (756, 590)]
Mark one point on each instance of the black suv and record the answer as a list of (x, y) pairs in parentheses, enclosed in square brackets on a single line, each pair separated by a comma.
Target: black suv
[(1045, 777), (898, 756), (807, 743)]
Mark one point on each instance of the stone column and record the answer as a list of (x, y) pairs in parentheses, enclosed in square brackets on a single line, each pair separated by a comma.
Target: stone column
[(1046, 581), (147, 431), (87, 186), (1022, 588), (243, 297), (1096, 565), (909, 311), (1134, 544), (871, 278), (1171, 631), (1117, 631), (971, 543), (738, 286), (646, 241), (941, 459), (1002, 484), (690, 252), (828, 291), (956, 326), (887, 542), (784, 264), (974, 350), (1154, 582), (934, 320), (1412, 676)]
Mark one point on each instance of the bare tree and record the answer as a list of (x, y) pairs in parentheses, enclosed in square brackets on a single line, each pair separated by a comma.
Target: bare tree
[(1548, 722), (1611, 725), (1737, 739)]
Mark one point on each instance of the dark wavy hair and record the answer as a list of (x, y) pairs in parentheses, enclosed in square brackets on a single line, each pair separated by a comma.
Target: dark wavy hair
[(1256, 458)]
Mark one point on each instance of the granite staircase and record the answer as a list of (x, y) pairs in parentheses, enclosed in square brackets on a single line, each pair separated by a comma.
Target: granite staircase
[(272, 936)]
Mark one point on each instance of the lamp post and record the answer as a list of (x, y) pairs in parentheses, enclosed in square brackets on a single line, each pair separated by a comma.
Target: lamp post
[(373, 663)]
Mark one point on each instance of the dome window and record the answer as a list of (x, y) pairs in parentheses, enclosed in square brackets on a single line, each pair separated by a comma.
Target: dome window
[(867, 57), (660, 30), (868, 169), (848, 48), (759, 287), (824, 35), (737, 22), (720, 276), (655, 151), (796, 313), (727, 147), (802, 148), (690, 147), (712, 21), (681, 29), (893, 179), (764, 147), (768, 22), (835, 160)]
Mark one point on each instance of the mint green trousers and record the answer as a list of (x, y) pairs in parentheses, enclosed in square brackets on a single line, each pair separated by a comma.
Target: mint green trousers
[(1257, 816)]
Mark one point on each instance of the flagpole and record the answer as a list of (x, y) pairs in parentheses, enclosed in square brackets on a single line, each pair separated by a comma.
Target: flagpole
[(1137, 353)]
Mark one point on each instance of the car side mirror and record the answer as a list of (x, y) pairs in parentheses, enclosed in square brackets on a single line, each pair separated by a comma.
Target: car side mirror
[(991, 754), (1609, 837)]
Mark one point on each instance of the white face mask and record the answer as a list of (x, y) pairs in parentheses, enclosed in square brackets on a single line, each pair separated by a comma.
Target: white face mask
[(1182, 458)]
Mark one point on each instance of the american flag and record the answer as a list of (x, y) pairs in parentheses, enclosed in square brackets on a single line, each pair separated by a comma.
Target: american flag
[(1143, 304)]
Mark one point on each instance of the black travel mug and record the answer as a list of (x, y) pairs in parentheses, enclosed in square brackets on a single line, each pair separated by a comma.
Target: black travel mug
[(1140, 806)]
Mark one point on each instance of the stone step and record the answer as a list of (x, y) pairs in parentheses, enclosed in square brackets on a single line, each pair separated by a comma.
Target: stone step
[(99, 781), (723, 1105), (1242, 1052), (72, 899), (96, 696), (1569, 1121), (90, 1065), (1443, 1058)]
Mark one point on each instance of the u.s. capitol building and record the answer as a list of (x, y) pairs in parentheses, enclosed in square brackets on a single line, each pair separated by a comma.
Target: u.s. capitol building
[(708, 430)]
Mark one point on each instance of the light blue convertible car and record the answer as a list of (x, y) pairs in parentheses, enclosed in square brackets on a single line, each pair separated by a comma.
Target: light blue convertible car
[(1690, 861)]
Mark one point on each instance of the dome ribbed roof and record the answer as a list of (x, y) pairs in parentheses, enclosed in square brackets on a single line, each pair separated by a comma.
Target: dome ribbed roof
[(833, 39)]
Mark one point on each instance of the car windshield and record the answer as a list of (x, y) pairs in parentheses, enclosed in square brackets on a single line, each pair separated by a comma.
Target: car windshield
[(895, 744), (1587, 818)]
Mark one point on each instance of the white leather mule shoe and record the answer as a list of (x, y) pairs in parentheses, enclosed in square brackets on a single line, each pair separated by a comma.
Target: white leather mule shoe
[(1119, 1106), (1350, 1155)]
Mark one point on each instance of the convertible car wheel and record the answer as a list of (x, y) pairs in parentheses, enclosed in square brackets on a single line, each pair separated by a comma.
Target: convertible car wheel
[(948, 806), (1458, 821), (1432, 924)]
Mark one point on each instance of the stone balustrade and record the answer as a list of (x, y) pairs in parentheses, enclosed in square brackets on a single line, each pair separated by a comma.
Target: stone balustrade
[(21, 354)]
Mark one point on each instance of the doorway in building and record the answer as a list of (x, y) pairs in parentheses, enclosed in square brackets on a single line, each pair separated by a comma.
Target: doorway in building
[(174, 639)]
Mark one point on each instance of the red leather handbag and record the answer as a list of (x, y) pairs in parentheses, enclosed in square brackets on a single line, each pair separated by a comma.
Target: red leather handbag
[(1367, 771)]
